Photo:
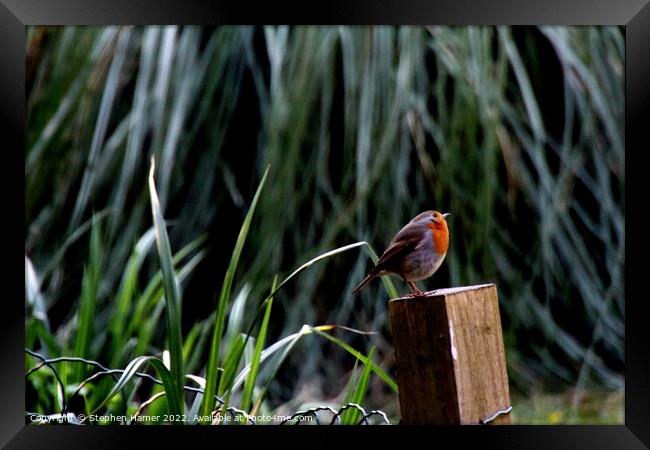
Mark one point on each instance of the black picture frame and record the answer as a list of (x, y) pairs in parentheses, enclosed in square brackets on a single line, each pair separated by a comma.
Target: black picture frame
[(633, 14)]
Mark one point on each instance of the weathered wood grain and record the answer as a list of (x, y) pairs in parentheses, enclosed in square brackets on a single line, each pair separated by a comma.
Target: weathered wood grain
[(450, 357)]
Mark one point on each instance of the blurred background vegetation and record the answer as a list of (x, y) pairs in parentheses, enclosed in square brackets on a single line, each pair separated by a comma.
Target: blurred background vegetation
[(517, 131)]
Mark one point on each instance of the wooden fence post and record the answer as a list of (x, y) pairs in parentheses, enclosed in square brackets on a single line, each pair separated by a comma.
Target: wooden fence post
[(450, 358)]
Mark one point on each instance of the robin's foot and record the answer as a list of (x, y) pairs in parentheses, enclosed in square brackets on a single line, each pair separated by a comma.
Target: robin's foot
[(416, 292), (420, 295)]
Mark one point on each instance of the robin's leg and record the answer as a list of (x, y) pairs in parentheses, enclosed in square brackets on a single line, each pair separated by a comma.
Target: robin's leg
[(414, 288)]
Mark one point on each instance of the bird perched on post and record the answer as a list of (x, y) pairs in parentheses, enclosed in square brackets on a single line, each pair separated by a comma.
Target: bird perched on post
[(416, 252)]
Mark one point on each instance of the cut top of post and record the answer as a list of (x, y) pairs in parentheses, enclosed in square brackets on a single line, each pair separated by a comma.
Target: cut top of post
[(446, 291)]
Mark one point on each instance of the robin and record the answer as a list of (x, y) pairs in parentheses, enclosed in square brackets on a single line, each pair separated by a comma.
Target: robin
[(416, 252)]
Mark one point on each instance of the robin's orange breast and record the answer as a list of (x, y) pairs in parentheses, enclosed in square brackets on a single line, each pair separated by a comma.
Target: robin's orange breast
[(440, 236)]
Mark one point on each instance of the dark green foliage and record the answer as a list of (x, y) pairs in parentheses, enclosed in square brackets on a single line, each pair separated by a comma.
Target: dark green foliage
[(518, 132)]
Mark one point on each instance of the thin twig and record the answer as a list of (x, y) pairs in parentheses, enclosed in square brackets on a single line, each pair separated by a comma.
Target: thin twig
[(148, 402)]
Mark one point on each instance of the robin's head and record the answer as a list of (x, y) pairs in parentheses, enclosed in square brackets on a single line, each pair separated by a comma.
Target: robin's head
[(438, 219)]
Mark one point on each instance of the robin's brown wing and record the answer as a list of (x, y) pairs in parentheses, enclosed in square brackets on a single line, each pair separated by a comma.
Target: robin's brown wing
[(404, 242)]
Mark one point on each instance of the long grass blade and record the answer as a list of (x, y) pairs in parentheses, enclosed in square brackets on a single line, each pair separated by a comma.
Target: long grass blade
[(380, 373), (105, 108), (249, 386), (88, 300), (170, 285), (350, 416), (215, 348), (174, 397)]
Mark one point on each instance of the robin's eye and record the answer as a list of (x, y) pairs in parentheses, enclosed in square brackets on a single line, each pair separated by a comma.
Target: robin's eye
[(434, 219)]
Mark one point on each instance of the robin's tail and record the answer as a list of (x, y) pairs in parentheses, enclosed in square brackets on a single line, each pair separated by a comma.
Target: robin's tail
[(365, 281)]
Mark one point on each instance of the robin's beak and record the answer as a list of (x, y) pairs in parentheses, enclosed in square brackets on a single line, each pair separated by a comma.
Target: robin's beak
[(446, 214)]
